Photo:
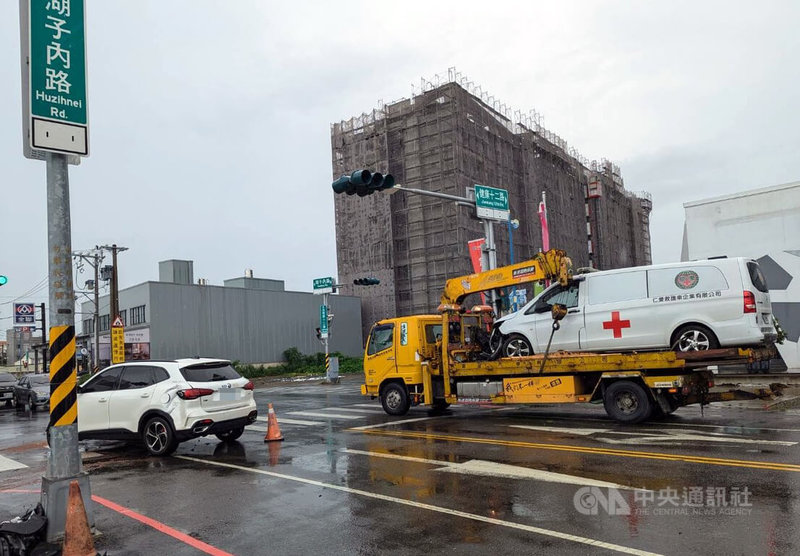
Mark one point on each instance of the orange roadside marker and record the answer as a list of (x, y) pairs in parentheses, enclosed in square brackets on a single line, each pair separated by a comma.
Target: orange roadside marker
[(273, 430), (77, 535)]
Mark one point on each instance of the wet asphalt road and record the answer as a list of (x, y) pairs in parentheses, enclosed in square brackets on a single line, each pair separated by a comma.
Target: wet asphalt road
[(349, 479)]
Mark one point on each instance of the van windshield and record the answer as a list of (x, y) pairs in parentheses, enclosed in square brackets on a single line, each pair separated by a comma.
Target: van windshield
[(757, 277)]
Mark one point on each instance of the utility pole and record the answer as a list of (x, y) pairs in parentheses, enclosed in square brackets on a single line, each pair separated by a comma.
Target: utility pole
[(44, 338), (93, 258), (114, 297)]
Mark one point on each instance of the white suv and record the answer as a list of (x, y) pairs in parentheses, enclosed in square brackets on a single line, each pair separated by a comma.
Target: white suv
[(166, 402)]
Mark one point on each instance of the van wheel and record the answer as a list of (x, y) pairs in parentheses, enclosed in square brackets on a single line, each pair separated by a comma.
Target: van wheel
[(694, 337), (394, 399), (517, 345), (627, 402)]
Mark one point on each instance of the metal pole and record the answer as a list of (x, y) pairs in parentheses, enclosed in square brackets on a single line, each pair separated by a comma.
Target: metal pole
[(96, 317), (491, 253), (44, 338), (114, 312), (64, 460), (327, 356)]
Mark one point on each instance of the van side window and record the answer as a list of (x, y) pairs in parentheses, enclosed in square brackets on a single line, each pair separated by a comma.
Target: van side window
[(613, 288), (685, 280), (380, 338), (564, 295)]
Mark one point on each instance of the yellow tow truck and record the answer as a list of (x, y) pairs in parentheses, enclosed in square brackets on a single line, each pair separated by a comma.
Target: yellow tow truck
[(451, 357)]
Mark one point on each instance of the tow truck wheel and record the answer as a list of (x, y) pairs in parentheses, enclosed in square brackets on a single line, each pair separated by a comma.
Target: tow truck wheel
[(627, 402), (394, 399), (517, 345)]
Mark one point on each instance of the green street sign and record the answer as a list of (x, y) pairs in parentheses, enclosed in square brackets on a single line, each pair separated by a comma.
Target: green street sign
[(323, 285), (323, 321), (58, 116), (491, 203)]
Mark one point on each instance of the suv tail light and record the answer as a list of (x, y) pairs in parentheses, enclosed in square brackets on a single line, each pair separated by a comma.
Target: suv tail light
[(194, 393), (249, 386), (749, 302)]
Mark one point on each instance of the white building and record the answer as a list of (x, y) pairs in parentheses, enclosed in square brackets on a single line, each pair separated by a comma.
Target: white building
[(763, 224)]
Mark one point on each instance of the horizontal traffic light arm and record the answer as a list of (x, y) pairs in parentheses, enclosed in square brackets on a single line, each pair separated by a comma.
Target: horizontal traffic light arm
[(369, 281)]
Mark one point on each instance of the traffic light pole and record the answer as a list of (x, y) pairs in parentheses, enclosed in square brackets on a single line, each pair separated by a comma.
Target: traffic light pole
[(488, 228), (64, 460)]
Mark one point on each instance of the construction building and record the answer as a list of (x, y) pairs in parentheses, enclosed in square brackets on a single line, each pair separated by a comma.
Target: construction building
[(446, 138)]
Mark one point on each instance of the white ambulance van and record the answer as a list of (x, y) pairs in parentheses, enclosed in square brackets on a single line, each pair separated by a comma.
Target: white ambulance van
[(686, 306)]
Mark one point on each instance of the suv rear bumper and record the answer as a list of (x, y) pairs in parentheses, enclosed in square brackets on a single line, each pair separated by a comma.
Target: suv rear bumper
[(203, 428)]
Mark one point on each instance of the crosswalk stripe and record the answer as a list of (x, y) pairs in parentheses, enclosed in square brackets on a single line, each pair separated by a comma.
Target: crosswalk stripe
[(7, 464), (282, 421), (324, 415), (354, 410)]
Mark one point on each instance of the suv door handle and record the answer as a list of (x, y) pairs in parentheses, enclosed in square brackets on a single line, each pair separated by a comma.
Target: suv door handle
[(574, 311), (145, 395), (101, 400)]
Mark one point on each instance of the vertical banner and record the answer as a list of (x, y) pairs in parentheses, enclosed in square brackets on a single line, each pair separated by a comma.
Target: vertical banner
[(545, 230), (476, 254)]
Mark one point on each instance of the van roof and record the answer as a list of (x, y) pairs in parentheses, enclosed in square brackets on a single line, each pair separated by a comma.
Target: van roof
[(711, 262)]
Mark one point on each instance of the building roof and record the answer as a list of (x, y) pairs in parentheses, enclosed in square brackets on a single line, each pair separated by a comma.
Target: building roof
[(743, 194)]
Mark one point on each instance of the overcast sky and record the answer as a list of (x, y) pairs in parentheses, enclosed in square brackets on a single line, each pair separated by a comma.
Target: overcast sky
[(210, 120)]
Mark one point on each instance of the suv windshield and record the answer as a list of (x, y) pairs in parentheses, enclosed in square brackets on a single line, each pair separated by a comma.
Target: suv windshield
[(209, 372), (7, 377), (757, 277), (40, 379)]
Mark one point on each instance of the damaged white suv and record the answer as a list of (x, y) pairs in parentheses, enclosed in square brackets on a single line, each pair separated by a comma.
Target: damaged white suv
[(164, 403)]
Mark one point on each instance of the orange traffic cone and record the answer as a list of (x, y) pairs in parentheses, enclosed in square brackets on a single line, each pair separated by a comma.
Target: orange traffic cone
[(273, 430), (77, 535)]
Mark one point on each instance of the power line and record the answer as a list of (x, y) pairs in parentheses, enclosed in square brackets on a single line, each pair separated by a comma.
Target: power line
[(35, 289)]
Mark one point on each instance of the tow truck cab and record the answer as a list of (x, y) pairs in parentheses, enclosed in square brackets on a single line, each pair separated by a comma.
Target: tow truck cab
[(397, 350)]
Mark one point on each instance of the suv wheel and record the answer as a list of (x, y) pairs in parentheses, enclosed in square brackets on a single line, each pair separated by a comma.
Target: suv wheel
[(694, 337), (231, 435), (158, 437)]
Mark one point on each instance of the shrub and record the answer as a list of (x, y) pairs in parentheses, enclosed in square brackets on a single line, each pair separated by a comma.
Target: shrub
[(298, 364)]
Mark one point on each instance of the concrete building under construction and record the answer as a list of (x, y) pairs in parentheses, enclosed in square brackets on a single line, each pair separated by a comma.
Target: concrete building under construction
[(448, 137)]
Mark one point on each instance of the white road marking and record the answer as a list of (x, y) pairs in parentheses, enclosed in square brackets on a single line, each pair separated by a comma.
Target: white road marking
[(475, 517), (324, 415), (352, 410), (370, 405), (283, 420), (492, 469), (390, 423), (753, 428), (664, 437), (7, 464)]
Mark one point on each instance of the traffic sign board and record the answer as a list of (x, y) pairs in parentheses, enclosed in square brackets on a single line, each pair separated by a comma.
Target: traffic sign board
[(117, 323), (323, 321), (323, 285), (24, 313), (491, 203), (57, 115)]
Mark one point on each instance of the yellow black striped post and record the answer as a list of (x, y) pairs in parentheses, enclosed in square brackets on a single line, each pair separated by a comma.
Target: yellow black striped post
[(63, 377), (327, 365)]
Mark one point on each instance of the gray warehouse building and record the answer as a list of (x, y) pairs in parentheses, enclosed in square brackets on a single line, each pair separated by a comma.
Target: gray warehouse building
[(448, 137), (253, 320)]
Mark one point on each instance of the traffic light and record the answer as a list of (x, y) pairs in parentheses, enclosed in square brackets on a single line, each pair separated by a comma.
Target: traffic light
[(363, 182), (366, 281), (3, 280)]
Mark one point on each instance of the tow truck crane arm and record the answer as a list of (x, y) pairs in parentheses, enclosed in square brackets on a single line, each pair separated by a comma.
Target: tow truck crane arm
[(552, 265)]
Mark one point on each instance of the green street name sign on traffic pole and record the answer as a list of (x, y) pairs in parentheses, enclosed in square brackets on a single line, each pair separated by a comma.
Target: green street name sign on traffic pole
[(323, 285), (58, 115), (323, 321), (491, 203)]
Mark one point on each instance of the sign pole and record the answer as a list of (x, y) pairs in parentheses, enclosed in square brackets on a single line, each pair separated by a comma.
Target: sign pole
[(327, 332), (64, 461)]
